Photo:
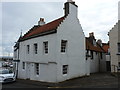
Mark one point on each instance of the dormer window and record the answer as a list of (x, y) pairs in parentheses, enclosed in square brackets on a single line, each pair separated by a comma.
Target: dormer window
[(94, 42)]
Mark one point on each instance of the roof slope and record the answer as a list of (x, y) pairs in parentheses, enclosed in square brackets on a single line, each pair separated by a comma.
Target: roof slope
[(90, 46), (105, 47), (36, 30)]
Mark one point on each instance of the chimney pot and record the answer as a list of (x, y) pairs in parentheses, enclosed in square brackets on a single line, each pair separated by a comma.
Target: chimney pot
[(41, 22), (91, 34), (70, 1)]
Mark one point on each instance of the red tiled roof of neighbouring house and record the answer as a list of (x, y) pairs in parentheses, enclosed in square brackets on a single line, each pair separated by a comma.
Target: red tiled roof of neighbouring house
[(90, 46), (45, 28), (105, 47)]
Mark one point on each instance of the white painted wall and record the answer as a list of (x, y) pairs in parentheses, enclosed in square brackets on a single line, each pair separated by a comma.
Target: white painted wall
[(94, 63), (71, 31), (97, 64), (113, 36), (41, 58)]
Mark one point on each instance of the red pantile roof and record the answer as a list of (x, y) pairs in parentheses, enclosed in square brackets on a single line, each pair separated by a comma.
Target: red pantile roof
[(45, 28), (105, 47), (90, 46)]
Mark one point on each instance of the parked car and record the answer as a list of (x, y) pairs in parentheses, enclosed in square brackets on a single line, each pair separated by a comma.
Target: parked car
[(7, 75)]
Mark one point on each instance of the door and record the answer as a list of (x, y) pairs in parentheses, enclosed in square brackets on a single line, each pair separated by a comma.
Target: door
[(108, 66), (28, 70)]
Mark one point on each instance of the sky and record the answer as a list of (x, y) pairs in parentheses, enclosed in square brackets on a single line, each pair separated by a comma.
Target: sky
[(97, 16)]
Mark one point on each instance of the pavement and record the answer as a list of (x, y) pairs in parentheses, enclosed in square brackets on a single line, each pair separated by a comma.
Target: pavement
[(97, 80)]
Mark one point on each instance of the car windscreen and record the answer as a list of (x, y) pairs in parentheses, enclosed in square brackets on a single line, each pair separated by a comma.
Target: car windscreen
[(5, 71)]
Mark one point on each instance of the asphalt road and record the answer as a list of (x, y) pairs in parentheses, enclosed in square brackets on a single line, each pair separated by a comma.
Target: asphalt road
[(98, 80)]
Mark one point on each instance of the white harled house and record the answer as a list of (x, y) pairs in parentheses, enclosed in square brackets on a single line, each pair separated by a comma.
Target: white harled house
[(53, 52)]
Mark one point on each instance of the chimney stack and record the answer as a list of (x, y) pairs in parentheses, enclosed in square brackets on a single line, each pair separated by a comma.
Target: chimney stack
[(91, 34), (70, 7), (99, 42), (41, 22)]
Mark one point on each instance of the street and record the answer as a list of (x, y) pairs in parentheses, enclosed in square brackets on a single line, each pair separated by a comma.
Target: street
[(98, 80)]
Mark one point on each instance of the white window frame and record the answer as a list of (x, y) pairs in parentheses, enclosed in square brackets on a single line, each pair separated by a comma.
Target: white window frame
[(35, 48), (23, 65), (45, 45), (65, 69), (64, 46), (37, 68), (28, 49)]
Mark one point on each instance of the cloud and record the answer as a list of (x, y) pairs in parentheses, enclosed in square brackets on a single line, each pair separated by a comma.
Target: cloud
[(97, 16), (23, 16)]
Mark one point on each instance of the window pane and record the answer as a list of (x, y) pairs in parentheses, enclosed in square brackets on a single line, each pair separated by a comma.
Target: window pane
[(28, 49), (45, 44), (37, 68), (35, 48), (92, 55), (65, 69), (23, 65), (63, 45)]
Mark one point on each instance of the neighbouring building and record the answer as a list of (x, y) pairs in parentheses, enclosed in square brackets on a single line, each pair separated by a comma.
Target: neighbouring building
[(95, 54), (55, 51), (114, 48), (106, 48)]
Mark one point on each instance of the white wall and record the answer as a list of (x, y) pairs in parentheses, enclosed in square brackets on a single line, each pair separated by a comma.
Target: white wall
[(113, 36), (71, 31), (39, 58), (97, 64), (94, 63)]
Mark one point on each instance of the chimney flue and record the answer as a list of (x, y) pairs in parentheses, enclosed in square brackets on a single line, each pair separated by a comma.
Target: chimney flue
[(67, 7), (91, 34), (41, 22), (69, 0)]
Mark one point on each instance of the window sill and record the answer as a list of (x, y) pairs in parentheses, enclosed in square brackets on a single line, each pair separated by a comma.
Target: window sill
[(118, 53), (45, 53), (37, 75), (63, 53), (64, 75)]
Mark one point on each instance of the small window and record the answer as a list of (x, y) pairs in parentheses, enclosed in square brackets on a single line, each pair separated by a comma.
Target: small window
[(45, 44), (37, 68), (118, 47), (94, 42), (35, 48), (23, 65), (63, 46), (65, 69), (28, 49), (91, 54)]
